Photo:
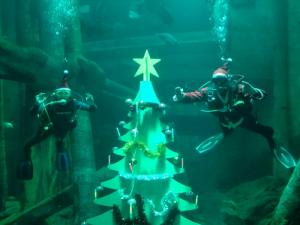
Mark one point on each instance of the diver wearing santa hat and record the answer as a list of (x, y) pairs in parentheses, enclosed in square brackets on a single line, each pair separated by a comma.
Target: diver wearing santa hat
[(56, 112), (230, 99)]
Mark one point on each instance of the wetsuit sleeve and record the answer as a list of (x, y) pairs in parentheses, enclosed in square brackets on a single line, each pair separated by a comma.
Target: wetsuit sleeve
[(194, 96), (83, 106)]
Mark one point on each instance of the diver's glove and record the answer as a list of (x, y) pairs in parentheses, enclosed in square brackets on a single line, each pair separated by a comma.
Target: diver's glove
[(89, 98), (179, 94), (40, 98)]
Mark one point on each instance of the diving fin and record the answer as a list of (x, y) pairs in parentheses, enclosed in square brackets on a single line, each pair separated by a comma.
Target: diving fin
[(284, 157), (25, 170), (62, 161), (209, 143)]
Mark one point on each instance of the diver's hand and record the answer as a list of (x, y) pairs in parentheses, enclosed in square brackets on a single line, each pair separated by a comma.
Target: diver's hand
[(41, 97), (89, 98), (93, 108), (179, 94), (260, 94)]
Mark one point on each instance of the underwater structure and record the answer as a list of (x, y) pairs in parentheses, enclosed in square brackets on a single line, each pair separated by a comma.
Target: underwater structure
[(145, 168), (96, 37)]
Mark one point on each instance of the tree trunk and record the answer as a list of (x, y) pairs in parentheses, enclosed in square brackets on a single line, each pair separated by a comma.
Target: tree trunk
[(84, 166), (52, 28), (288, 207), (82, 145), (40, 69)]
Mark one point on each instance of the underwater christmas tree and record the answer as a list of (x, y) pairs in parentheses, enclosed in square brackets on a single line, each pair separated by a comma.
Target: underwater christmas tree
[(145, 189)]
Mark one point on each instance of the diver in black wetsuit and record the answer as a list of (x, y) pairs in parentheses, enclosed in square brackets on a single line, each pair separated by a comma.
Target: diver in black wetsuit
[(230, 99), (57, 115)]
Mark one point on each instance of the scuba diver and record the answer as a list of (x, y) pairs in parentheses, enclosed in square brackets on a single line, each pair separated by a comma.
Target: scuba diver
[(56, 112), (230, 98)]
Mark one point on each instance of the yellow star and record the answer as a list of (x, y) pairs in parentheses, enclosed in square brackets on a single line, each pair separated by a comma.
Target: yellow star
[(146, 66)]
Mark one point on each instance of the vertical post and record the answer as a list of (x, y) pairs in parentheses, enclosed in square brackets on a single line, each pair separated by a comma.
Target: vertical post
[(26, 32), (1, 20), (3, 169), (280, 68), (8, 19), (293, 16), (3, 172)]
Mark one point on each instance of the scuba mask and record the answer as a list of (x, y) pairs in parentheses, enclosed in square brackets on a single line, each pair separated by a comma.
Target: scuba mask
[(62, 93), (221, 83)]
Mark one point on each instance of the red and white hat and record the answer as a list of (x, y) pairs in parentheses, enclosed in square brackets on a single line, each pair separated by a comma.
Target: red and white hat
[(64, 81), (221, 72)]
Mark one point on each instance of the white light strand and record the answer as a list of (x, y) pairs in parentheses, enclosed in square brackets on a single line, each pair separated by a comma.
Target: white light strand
[(146, 177)]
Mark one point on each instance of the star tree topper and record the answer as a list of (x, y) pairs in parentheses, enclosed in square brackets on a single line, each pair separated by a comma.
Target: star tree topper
[(146, 66)]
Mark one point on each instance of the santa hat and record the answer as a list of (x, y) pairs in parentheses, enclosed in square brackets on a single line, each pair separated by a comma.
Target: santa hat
[(64, 81), (221, 72)]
